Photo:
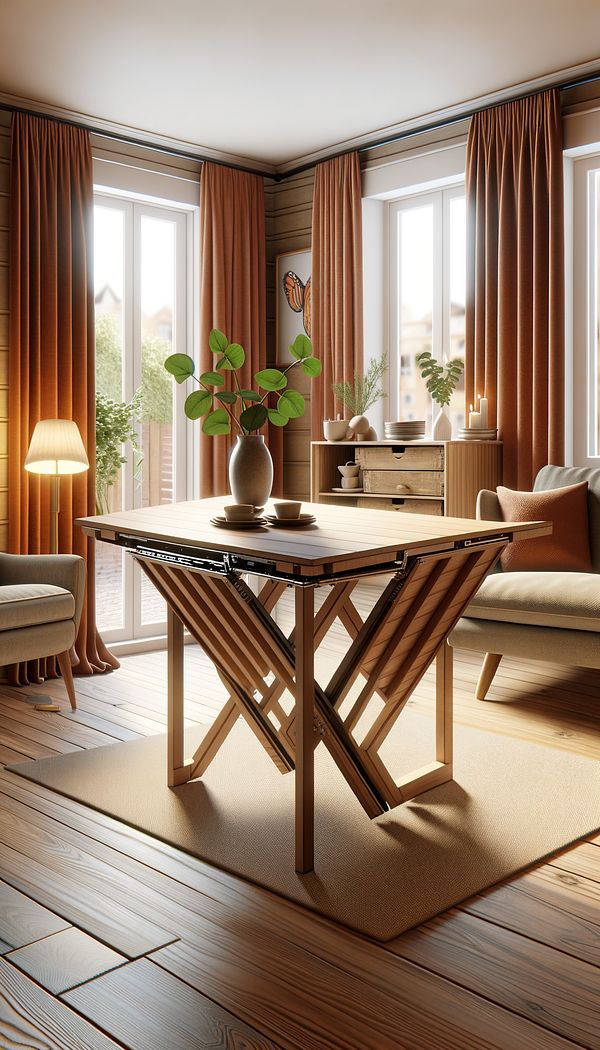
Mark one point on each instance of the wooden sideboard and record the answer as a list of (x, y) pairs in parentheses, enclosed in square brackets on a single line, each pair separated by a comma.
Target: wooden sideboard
[(418, 477)]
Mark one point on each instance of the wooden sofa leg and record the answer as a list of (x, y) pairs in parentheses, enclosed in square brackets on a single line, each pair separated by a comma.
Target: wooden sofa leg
[(64, 662), (486, 676)]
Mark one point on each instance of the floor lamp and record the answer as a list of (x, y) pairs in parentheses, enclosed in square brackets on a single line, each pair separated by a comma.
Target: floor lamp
[(56, 448)]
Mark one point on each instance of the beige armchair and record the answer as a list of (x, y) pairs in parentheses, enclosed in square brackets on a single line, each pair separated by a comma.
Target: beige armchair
[(41, 598), (552, 616)]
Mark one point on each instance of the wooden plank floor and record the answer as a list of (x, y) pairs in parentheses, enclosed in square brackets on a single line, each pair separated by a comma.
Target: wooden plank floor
[(112, 939)]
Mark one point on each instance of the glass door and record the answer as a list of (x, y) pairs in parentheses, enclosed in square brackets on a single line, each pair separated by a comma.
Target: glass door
[(141, 253)]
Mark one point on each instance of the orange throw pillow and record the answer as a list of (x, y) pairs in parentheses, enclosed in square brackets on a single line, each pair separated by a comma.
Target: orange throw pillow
[(567, 549)]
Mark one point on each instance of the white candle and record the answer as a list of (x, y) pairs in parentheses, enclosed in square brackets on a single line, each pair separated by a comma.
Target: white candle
[(483, 412), (474, 419)]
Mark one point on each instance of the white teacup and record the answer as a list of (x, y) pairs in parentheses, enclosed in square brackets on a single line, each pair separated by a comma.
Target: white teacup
[(349, 470), (239, 511), (350, 483), (288, 510)]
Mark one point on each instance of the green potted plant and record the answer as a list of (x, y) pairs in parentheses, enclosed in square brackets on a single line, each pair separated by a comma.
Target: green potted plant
[(441, 381), (226, 407), (114, 427), (358, 397)]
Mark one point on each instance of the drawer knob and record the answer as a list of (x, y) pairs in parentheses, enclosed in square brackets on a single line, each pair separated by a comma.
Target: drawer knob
[(402, 488)]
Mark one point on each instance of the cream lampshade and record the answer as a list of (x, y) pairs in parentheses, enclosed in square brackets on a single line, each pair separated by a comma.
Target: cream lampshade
[(56, 448)]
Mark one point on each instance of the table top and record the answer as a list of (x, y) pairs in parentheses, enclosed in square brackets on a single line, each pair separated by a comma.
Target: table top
[(343, 538)]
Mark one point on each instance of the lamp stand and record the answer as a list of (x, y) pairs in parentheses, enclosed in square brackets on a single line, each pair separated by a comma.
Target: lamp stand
[(54, 511)]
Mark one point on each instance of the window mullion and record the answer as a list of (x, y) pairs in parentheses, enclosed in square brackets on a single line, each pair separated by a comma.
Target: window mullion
[(440, 291)]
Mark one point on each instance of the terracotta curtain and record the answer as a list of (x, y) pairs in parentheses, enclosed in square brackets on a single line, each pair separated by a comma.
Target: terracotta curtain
[(514, 345), (337, 291), (51, 353), (233, 296)]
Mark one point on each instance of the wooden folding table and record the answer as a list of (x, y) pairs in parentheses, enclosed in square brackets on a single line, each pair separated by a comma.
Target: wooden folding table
[(434, 567)]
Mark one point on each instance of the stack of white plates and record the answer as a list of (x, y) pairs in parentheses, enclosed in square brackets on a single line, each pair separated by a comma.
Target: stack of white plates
[(478, 434), (404, 429)]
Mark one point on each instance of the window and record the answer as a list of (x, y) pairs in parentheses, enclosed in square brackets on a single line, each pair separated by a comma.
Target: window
[(140, 272), (586, 311), (427, 238)]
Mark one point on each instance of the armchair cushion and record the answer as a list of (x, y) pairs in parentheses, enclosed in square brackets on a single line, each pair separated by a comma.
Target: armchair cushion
[(568, 600), (568, 548), (66, 571), (32, 604)]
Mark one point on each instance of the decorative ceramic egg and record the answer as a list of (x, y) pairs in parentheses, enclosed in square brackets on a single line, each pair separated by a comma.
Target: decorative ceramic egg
[(360, 425)]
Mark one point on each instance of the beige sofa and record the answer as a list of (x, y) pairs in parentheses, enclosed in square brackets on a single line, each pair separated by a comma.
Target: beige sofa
[(41, 598), (552, 616)]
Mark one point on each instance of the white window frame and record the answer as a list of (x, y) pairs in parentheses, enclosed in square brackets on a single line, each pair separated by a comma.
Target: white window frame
[(440, 199), (585, 250), (134, 634)]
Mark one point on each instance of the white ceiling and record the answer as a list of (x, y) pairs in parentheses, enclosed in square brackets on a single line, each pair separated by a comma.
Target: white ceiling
[(276, 80)]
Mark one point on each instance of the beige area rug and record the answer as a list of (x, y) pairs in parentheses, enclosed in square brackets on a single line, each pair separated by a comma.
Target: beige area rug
[(511, 804)]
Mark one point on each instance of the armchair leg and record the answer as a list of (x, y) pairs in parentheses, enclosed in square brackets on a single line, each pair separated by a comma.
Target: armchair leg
[(64, 662), (488, 670)]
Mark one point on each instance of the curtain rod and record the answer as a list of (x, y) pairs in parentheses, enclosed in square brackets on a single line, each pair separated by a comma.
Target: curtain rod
[(388, 140), (132, 141), (436, 125)]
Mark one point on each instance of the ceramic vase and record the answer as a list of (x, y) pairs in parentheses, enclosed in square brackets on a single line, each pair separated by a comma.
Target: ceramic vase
[(442, 427), (251, 470)]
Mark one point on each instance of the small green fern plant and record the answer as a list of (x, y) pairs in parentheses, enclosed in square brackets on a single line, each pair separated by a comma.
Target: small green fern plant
[(364, 390)]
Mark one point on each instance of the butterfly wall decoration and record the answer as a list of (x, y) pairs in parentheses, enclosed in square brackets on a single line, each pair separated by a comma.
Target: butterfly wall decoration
[(298, 295)]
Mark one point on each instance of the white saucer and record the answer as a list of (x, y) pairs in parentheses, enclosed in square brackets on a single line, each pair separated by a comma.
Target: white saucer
[(348, 492), (221, 522), (291, 523)]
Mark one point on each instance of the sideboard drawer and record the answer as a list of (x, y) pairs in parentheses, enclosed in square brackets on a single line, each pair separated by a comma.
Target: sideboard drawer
[(398, 457), (404, 482), (404, 506)]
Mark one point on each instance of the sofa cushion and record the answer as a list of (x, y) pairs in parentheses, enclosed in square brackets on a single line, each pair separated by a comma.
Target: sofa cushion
[(551, 599), (567, 549), (552, 477), (30, 604)]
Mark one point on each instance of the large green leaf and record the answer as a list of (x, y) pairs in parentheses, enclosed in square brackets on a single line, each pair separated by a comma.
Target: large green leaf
[(250, 395), (218, 342), (217, 422), (301, 347), (181, 366), (271, 379), (291, 404), (233, 357), (211, 379), (197, 404), (253, 418), (311, 366), (277, 418), (226, 397)]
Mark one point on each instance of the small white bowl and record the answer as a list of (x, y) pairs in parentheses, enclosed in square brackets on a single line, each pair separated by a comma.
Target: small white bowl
[(350, 483), (289, 509), (335, 429)]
